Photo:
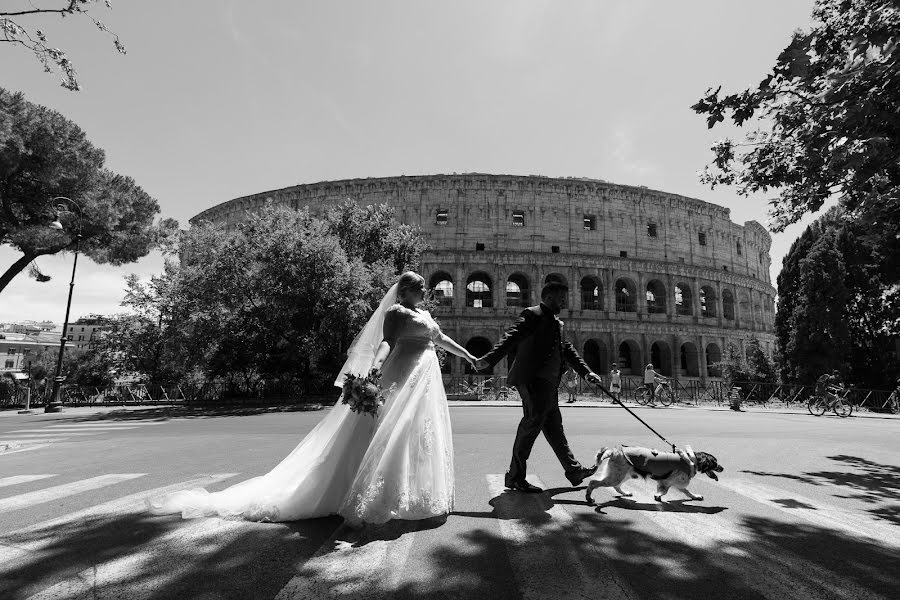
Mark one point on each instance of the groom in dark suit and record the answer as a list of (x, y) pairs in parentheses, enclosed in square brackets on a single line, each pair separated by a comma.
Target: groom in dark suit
[(541, 355)]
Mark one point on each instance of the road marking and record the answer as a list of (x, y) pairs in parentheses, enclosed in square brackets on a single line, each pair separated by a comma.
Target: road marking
[(25, 449), (814, 511), (156, 561), (17, 479), (31, 439), (54, 432), (129, 424), (351, 565), (762, 566), (526, 531), (65, 490), (90, 427)]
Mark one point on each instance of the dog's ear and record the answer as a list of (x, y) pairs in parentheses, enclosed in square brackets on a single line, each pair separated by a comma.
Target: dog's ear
[(600, 453)]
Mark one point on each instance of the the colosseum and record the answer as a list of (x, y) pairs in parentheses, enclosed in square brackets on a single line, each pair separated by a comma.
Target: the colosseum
[(653, 276)]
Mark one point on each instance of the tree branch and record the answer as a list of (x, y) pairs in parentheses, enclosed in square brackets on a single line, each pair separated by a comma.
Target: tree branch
[(68, 10)]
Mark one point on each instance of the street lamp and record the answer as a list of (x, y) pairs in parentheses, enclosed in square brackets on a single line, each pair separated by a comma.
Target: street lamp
[(54, 405)]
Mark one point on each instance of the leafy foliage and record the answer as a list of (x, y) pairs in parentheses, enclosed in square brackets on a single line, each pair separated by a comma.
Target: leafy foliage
[(828, 122), (837, 306), (279, 297), (43, 155), (33, 39)]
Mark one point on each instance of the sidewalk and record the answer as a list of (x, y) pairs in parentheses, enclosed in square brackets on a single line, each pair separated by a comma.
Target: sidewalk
[(176, 410)]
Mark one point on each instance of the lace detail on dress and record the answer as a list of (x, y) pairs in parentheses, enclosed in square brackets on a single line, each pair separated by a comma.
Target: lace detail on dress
[(425, 503), (428, 437), (363, 501)]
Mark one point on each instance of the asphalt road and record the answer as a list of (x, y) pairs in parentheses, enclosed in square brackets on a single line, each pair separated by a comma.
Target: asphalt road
[(806, 508)]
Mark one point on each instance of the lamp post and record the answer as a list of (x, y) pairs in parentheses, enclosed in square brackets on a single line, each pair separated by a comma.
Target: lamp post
[(54, 405)]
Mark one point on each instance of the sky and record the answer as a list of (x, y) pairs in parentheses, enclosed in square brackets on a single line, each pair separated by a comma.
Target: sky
[(217, 99)]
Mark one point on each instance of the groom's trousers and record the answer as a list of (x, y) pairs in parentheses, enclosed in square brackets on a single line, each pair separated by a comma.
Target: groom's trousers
[(540, 404)]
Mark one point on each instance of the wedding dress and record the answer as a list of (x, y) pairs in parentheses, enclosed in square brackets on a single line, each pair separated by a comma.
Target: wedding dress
[(396, 466)]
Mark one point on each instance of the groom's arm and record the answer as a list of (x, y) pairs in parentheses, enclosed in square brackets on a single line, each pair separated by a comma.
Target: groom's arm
[(522, 328), (574, 359)]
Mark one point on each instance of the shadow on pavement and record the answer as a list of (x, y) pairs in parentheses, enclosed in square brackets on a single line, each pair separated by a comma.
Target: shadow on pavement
[(164, 413), (469, 558), (869, 481)]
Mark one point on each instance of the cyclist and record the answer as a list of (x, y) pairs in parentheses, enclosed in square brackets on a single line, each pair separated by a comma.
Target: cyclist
[(822, 384), (651, 377)]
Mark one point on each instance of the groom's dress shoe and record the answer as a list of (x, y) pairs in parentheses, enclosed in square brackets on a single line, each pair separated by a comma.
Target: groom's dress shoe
[(576, 477), (522, 486)]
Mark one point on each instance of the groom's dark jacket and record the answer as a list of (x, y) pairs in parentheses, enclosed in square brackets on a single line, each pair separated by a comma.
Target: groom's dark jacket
[(532, 337)]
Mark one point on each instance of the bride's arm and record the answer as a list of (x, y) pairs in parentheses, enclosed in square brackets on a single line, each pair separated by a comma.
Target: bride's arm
[(452, 347), (389, 335)]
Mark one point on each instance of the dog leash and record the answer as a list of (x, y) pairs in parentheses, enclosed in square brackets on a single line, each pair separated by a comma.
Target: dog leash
[(605, 391)]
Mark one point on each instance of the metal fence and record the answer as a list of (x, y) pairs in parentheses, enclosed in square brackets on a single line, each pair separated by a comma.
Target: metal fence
[(466, 387)]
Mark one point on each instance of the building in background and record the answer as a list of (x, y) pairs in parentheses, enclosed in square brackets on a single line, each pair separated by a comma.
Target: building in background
[(653, 276)]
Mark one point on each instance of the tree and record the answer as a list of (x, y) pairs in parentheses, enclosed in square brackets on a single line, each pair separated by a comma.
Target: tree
[(34, 39), (44, 155), (829, 124), (280, 296)]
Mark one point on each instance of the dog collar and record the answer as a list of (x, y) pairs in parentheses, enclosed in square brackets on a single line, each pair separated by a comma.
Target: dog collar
[(688, 455)]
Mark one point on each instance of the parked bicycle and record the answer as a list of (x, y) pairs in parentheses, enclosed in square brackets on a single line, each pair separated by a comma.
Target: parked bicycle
[(835, 399)]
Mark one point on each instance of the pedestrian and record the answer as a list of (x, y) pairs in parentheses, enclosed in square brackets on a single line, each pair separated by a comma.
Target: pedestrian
[(650, 376), (571, 385), (615, 381)]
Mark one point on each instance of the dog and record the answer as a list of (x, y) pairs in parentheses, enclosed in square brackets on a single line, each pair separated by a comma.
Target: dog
[(668, 469)]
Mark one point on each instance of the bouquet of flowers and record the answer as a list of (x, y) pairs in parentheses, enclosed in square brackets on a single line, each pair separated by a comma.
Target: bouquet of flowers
[(363, 394)]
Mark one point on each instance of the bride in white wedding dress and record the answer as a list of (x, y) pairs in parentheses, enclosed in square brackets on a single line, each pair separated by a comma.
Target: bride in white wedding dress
[(369, 470)]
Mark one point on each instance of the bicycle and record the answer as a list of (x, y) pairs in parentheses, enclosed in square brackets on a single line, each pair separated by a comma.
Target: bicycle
[(664, 393), (835, 399)]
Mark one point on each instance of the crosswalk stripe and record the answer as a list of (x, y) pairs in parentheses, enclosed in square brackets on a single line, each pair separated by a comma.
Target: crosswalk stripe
[(31, 439), (17, 479), (72, 429), (129, 424), (344, 567), (767, 569), (515, 512), (813, 511), (54, 432), (115, 578), (24, 449), (19, 544), (63, 491), (100, 428)]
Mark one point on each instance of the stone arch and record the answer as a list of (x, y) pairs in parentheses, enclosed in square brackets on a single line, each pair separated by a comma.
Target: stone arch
[(626, 295), (656, 297), (757, 310), (478, 291), (744, 304), (596, 356), (441, 285), (478, 346), (713, 356), (689, 360), (591, 293), (630, 358), (661, 357), (684, 299), (728, 305), (707, 301), (518, 290)]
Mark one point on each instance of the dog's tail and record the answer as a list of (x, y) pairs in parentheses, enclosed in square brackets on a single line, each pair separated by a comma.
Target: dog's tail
[(600, 454)]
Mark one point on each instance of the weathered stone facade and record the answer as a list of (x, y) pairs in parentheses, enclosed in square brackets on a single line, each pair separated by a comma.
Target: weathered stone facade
[(652, 275)]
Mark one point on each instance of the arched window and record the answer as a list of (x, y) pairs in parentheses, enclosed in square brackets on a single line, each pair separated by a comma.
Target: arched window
[(656, 297), (478, 291), (591, 294), (690, 365), (626, 297), (661, 358), (630, 358), (728, 305), (595, 356), (713, 357), (442, 285), (517, 292), (684, 301), (707, 301)]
